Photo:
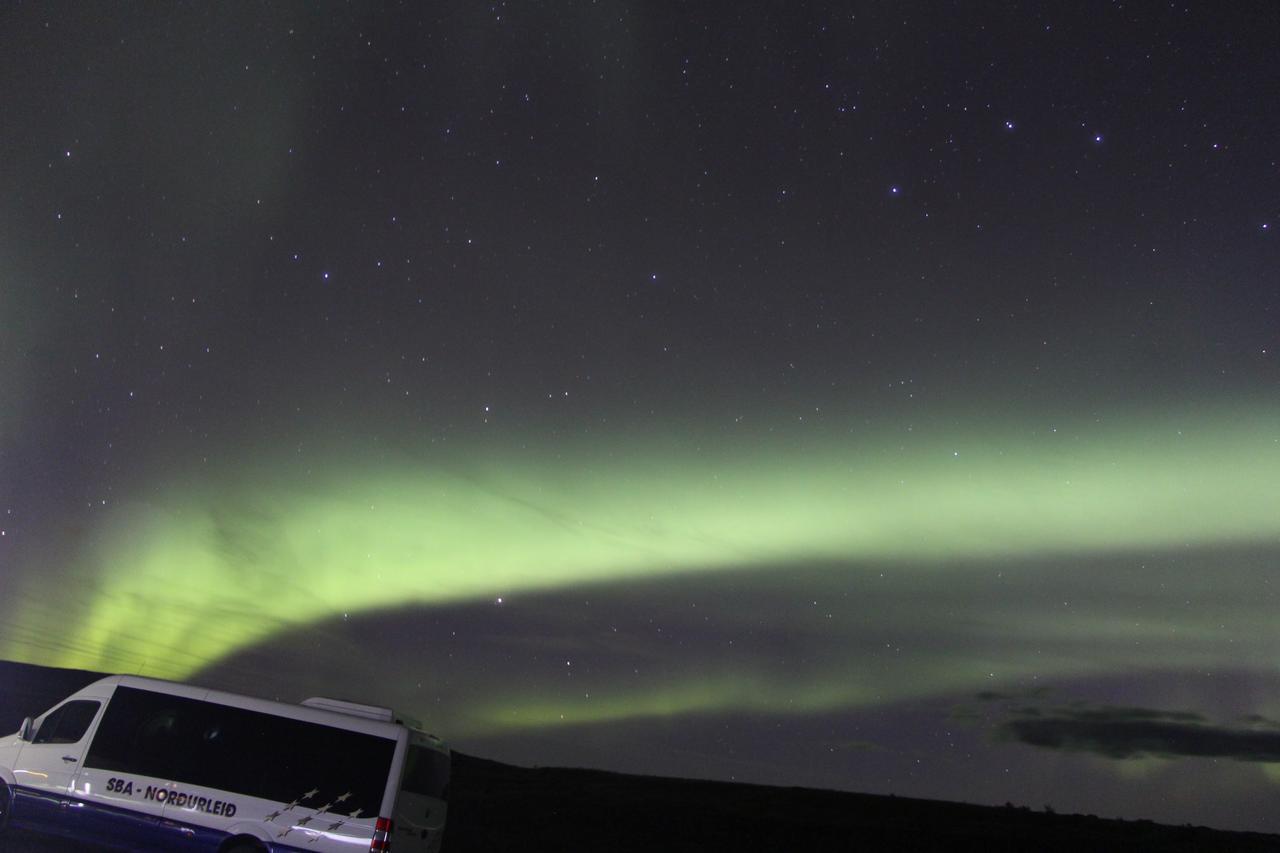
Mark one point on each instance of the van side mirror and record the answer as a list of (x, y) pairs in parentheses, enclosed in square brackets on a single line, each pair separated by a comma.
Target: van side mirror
[(28, 730)]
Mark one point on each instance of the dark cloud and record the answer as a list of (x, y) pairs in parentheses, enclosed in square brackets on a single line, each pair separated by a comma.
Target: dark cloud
[(1114, 714), (1009, 696), (1138, 732)]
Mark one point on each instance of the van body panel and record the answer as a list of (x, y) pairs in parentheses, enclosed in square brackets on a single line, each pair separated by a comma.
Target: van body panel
[(126, 829), (106, 806), (42, 811)]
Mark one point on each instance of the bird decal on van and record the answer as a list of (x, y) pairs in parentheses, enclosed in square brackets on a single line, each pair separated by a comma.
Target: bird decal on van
[(293, 805), (302, 822)]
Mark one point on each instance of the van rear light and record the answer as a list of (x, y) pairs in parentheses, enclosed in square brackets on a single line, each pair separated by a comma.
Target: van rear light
[(381, 836)]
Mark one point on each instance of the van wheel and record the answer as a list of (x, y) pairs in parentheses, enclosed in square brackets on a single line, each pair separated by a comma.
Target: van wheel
[(5, 799)]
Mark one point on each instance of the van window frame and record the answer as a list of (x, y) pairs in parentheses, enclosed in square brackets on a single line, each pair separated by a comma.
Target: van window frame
[(57, 717)]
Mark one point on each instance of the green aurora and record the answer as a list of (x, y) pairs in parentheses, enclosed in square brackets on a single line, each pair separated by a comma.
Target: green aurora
[(190, 577)]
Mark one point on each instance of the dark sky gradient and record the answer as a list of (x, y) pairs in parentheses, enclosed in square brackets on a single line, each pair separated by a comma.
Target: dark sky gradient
[(715, 389)]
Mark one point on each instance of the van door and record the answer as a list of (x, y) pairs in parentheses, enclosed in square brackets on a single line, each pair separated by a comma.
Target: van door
[(420, 805), (46, 768), (122, 776)]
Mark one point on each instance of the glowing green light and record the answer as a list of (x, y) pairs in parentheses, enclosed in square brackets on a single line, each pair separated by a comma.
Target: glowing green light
[(172, 585)]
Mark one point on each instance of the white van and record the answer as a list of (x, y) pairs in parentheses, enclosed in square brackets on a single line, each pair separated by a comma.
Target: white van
[(139, 764)]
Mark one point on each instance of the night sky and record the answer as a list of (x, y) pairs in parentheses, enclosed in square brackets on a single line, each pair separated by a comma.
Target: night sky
[(879, 396)]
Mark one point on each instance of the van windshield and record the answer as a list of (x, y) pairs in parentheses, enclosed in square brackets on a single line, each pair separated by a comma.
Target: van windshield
[(242, 751)]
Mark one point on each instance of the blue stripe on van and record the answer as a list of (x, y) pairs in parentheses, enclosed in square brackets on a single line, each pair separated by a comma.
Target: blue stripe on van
[(98, 823)]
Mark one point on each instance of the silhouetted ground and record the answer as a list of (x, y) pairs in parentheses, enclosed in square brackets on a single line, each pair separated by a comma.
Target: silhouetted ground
[(498, 807)]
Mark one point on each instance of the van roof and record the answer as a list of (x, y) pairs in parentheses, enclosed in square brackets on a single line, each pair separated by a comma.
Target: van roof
[(357, 709), (372, 712)]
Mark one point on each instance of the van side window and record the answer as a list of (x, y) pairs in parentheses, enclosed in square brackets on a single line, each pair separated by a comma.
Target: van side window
[(241, 751), (68, 723)]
